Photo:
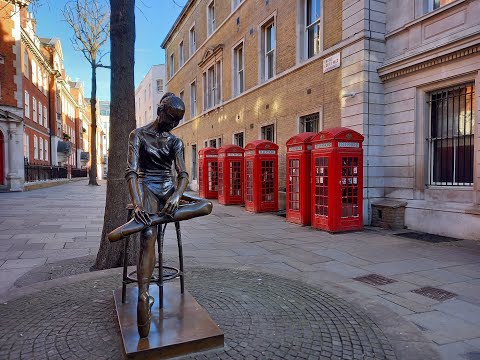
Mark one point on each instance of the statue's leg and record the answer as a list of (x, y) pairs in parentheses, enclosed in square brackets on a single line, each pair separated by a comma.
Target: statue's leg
[(145, 267)]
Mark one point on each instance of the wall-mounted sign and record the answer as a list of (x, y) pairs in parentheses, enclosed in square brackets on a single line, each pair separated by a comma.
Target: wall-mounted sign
[(330, 63), (323, 145), (295, 148), (348, 144), (266, 152), (235, 154), (211, 156)]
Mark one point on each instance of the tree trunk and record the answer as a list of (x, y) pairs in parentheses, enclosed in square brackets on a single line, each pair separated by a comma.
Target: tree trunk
[(93, 135), (122, 122)]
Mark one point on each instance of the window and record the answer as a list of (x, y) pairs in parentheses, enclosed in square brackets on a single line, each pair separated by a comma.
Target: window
[(182, 96), (310, 123), (41, 149), (192, 40), (235, 3), (219, 142), (26, 67), (193, 99), (172, 65), (35, 147), (145, 95), (26, 146), (435, 4), (205, 144), (45, 85), (238, 73), (45, 117), (34, 72), (34, 109), (212, 86), (238, 139), (194, 162), (159, 85), (312, 27), (213, 143), (268, 46), (40, 113), (46, 150), (211, 18), (451, 136), (180, 55), (40, 78), (27, 104), (268, 133)]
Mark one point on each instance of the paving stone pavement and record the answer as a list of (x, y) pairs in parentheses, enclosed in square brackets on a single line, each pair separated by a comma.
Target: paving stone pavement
[(48, 225)]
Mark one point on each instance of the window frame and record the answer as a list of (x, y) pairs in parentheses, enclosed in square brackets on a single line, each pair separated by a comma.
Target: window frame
[(211, 25), (262, 131), (45, 116), (238, 79), (181, 95), (192, 45), (160, 81), (35, 147), (40, 113), (193, 99), (172, 65), (181, 55), (26, 64), (431, 5), (26, 146), (46, 149), (429, 140), (40, 148), (262, 63), (310, 112), (212, 95), (27, 104), (34, 109), (234, 138)]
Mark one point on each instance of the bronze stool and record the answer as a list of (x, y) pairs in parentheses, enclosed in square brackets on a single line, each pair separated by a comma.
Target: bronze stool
[(160, 278)]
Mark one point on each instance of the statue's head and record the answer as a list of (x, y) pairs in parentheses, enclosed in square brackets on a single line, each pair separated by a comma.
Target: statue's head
[(170, 111)]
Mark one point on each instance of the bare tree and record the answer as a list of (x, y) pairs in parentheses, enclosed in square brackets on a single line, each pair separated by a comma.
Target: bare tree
[(122, 122), (90, 22)]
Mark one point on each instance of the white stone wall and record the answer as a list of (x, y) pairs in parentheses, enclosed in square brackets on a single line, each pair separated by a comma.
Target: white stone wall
[(148, 104), (362, 90)]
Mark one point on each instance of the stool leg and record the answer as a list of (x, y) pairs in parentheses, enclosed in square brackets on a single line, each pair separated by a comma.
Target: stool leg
[(125, 262), (160, 238), (180, 256)]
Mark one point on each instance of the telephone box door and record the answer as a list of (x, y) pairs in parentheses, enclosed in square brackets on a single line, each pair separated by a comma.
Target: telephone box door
[(208, 173), (230, 175)]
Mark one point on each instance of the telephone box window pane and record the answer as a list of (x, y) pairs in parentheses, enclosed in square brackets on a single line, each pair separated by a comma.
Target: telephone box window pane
[(349, 183), (249, 171), (267, 181), (294, 186), (213, 176), (321, 186), (235, 179), (220, 178)]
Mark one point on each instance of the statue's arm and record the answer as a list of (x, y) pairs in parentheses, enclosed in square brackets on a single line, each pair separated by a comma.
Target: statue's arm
[(182, 178), (131, 176)]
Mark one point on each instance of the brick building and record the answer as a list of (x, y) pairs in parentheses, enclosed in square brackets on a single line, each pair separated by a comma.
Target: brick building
[(41, 109), (148, 95), (257, 69)]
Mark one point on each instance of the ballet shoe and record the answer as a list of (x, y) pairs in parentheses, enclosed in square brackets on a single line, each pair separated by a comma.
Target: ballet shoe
[(144, 314)]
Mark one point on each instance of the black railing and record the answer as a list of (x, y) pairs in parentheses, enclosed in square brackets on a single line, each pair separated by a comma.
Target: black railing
[(78, 173), (44, 172)]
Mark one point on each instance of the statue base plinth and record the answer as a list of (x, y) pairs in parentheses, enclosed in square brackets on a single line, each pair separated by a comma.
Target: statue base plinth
[(181, 327)]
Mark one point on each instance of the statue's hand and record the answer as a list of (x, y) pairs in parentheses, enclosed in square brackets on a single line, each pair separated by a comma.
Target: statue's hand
[(141, 216), (172, 205)]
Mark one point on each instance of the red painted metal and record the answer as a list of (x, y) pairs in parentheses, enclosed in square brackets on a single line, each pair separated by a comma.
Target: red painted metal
[(298, 162), (231, 172), (337, 180), (261, 176), (208, 173)]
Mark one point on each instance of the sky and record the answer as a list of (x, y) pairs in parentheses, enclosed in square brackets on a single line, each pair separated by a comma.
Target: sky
[(153, 20)]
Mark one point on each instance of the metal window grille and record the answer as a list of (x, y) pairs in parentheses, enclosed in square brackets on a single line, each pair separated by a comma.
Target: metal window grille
[(349, 187), (294, 185), (321, 186), (267, 181), (310, 123), (235, 179), (451, 136)]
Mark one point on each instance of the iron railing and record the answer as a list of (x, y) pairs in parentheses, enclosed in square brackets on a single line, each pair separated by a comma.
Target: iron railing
[(44, 172), (78, 173)]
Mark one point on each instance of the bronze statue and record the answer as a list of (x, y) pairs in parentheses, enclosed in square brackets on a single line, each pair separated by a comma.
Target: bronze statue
[(156, 200)]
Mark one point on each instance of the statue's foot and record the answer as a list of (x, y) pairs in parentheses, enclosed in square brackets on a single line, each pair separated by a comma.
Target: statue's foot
[(144, 314)]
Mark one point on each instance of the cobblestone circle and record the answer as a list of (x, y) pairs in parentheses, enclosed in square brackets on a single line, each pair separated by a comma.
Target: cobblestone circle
[(263, 317)]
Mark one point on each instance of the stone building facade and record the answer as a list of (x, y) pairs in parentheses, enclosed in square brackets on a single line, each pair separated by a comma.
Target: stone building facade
[(148, 95), (431, 76)]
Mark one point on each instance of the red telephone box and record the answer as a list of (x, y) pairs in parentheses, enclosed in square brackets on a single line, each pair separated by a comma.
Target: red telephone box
[(208, 173), (299, 151), (230, 174), (261, 176), (337, 183)]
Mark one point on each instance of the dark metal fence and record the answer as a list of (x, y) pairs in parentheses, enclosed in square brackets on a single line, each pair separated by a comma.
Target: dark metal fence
[(77, 173), (44, 172)]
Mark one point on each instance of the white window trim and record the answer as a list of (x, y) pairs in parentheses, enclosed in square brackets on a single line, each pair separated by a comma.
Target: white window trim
[(183, 99), (261, 48), (27, 104), (240, 2), (26, 146), (190, 52), (34, 109), (238, 132), (212, 63), (181, 54), (40, 113), (26, 69), (318, 110), (275, 129), (210, 30), (302, 38), (235, 91), (171, 71), (46, 149), (40, 148), (194, 113), (35, 147), (45, 117)]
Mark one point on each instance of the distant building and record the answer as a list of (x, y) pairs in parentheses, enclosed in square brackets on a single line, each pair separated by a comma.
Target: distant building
[(105, 120), (148, 95)]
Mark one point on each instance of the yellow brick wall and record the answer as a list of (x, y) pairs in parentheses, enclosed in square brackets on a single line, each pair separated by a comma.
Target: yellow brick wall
[(280, 101)]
